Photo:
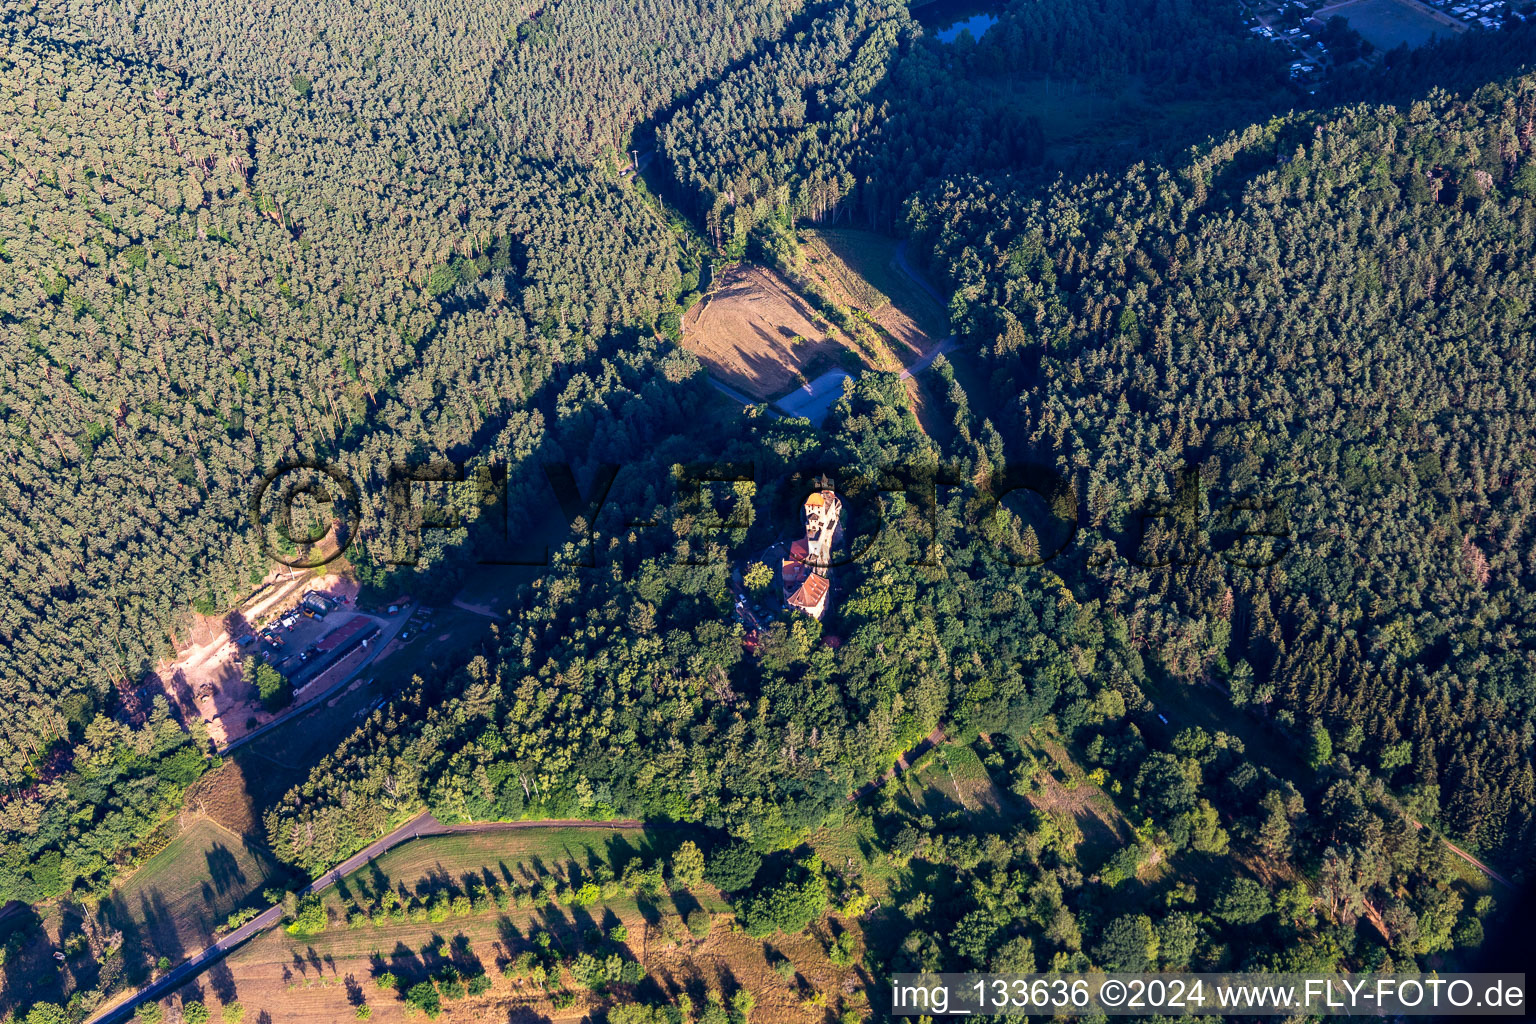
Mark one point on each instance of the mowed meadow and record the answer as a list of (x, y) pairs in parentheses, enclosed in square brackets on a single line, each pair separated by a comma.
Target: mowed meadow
[(174, 905)]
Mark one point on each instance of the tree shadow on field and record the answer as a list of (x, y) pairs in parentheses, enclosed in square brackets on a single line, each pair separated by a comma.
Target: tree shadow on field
[(222, 980), (582, 924), (235, 625), (510, 935), (464, 958), (492, 884), (191, 992), (147, 935), (533, 869), (404, 962), (224, 869), (80, 972), (436, 879), (686, 903), (725, 979), (650, 910), (618, 851)]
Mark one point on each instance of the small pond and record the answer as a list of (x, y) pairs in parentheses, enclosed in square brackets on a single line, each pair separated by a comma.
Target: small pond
[(946, 19), (976, 25)]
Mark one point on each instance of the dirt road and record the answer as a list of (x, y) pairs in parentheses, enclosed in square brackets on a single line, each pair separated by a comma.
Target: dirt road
[(1487, 871), (917, 278)]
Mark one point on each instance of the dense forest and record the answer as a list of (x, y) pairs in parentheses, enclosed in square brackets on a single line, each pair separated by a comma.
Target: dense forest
[(1326, 316), (1283, 377), (217, 258), (636, 654), (842, 121)]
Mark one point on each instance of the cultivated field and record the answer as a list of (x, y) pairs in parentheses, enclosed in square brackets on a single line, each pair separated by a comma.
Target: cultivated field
[(950, 779), (758, 336), (1387, 24), (848, 305), (524, 853), (281, 979)]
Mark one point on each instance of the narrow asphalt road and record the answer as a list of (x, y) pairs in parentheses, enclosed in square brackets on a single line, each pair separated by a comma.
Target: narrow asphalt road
[(421, 825), (949, 344), (733, 394), (814, 399), (388, 628), (921, 281), (424, 824)]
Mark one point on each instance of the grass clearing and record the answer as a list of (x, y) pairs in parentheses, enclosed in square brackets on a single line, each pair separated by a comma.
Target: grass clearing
[(1192, 704), (495, 589), (1388, 24), (440, 636), (1061, 788), (926, 789), (852, 848), (858, 269), (970, 778), (951, 779), (173, 903), (535, 850)]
